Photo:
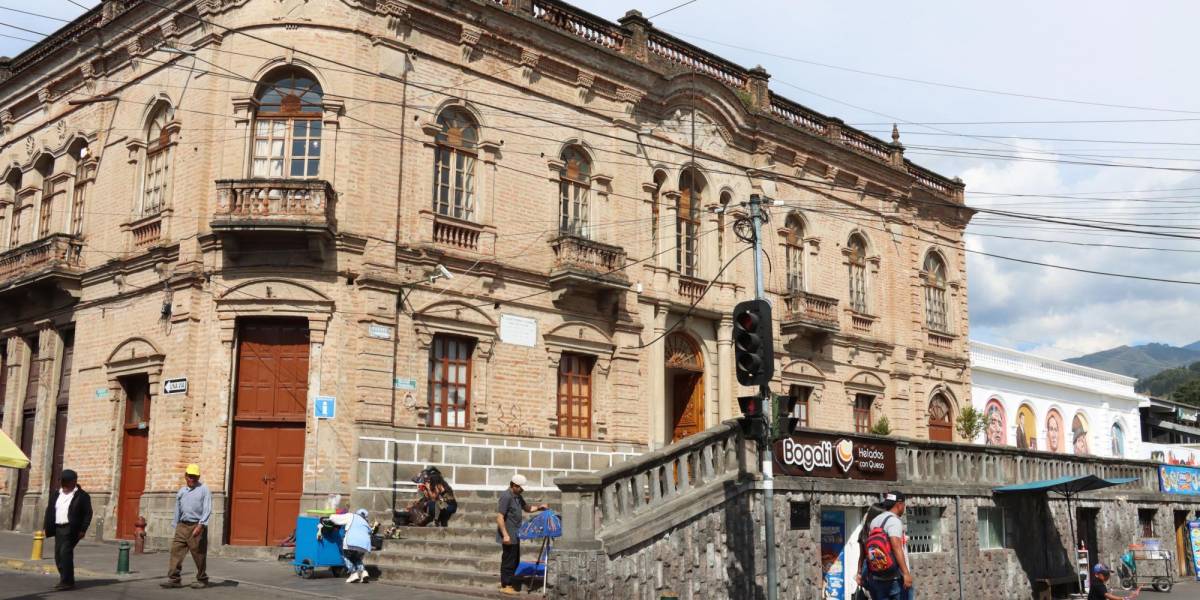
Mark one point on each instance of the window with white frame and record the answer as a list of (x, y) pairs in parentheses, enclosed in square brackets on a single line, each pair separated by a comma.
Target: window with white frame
[(858, 273), (574, 185), (687, 223), (454, 165), (85, 174), (156, 171), (924, 529), (287, 126), (13, 185), (991, 527), (51, 187), (794, 248), (937, 315)]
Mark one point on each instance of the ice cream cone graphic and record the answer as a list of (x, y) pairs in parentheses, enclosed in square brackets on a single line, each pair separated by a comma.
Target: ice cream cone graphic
[(845, 454)]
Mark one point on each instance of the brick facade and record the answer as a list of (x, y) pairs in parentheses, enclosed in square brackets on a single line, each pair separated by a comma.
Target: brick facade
[(155, 284)]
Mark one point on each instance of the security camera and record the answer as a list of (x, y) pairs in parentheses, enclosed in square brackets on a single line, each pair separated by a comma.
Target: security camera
[(444, 273)]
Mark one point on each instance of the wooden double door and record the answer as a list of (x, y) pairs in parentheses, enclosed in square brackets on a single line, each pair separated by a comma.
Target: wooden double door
[(270, 406)]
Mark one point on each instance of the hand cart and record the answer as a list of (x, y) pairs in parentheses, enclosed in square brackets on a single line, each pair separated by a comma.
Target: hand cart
[(1143, 566), (317, 546)]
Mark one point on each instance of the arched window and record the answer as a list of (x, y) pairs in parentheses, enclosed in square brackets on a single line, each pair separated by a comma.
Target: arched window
[(941, 428), (13, 185), (687, 222), (794, 249), (660, 178), (1118, 440), (726, 198), (85, 175), (857, 256), (51, 187), (454, 165), (937, 316), (574, 184), (287, 125), (156, 172)]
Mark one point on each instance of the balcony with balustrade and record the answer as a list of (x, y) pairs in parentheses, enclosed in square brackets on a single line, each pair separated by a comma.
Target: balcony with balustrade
[(587, 265), (283, 206), (53, 262), (806, 313)]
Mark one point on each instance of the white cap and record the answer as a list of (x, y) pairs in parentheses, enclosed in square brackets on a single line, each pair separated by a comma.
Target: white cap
[(519, 480)]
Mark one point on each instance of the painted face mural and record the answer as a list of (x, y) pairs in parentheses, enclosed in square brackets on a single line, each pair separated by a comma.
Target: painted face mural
[(995, 423), (1054, 431), (1026, 429), (1118, 440), (1079, 434)]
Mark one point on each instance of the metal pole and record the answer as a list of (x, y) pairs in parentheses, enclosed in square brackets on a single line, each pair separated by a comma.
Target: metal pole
[(765, 394)]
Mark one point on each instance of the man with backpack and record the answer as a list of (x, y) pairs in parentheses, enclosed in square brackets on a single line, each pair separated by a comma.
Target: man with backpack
[(887, 574)]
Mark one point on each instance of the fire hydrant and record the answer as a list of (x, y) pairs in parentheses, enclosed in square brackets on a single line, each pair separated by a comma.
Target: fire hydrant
[(38, 538), (139, 535)]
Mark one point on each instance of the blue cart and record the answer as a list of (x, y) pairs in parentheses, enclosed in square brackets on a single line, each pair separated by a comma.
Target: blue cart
[(313, 551)]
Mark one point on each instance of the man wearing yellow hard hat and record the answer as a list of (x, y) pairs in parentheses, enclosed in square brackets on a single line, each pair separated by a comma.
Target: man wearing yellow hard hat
[(193, 507)]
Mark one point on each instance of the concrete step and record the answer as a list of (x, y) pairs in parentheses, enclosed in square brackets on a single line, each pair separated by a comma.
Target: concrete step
[(460, 562), (451, 532), (440, 577), (473, 547)]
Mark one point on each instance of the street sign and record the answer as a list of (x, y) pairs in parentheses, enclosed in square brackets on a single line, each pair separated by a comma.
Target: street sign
[(175, 386), (381, 332), (404, 383), (101, 393), (325, 407)]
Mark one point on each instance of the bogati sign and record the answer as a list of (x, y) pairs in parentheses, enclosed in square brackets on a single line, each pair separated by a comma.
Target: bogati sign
[(840, 457)]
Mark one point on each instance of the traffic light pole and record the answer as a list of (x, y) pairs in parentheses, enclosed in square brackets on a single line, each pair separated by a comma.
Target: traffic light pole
[(767, 401)]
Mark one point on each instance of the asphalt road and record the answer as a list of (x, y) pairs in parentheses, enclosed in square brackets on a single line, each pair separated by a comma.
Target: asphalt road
[(15, 584)]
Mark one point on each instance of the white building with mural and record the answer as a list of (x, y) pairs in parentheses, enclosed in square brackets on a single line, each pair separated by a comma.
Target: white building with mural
[(1054, 406)]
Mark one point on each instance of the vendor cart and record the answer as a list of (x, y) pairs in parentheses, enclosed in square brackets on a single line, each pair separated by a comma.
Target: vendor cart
[(317, 546), (1146, 566)]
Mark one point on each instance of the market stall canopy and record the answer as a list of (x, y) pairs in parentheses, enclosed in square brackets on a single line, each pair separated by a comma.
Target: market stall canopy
[(1072, 484), (10, 454)]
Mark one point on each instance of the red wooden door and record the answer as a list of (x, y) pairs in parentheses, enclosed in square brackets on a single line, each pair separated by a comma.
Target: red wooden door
[(688, 405), (268, 443), (134, 447), (27, 419)]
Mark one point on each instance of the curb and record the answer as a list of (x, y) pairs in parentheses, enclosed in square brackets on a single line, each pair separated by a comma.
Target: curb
[(43, 567)]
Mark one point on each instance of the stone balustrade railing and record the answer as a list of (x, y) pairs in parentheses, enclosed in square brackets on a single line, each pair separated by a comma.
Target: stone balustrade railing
[(604, 505), (692, 58), (289, 200), (865, 144), (58, 250), (798, 115), (573, 251), (990, 466), (578, 23), (805, 306)]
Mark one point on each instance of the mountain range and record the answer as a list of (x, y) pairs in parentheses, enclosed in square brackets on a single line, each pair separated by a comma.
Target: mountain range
[(1140, 361)]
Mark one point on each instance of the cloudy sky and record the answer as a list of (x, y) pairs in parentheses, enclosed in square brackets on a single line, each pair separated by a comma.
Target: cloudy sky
[(1130, 72)]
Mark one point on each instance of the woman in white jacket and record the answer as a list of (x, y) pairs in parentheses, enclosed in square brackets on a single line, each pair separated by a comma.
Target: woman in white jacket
[(356, 542)]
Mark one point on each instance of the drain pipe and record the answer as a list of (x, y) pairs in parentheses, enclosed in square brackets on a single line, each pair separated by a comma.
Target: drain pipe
[(958, 543)]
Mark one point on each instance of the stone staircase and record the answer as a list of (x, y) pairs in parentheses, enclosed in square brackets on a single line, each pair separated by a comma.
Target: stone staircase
[(465, 554)]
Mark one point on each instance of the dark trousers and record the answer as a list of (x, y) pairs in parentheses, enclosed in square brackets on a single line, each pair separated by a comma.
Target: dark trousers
[(184, 543), (64, 554), (510, 555), (443, 516)]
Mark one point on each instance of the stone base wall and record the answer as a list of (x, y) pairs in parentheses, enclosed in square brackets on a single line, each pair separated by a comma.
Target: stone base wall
[(721, 553), (388, 458)]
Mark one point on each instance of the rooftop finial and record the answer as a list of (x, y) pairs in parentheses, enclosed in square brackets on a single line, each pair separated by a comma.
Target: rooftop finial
[(895, 134)]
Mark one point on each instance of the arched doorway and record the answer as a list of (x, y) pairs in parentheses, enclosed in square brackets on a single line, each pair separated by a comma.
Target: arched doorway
[(941, 428), (685, 386)]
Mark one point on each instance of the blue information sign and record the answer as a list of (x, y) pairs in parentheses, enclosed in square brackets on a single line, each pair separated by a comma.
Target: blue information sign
[(325, 407)]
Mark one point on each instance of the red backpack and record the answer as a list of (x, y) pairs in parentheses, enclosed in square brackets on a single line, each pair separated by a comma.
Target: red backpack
[(881, 561)]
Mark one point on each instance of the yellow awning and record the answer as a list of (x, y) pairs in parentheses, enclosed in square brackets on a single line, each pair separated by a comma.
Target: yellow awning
[(10, 454)]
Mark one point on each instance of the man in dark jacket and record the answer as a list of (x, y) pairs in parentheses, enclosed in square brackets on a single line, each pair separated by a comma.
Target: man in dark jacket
[(68, 516)]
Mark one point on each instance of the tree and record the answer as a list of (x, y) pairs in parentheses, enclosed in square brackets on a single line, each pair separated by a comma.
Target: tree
[(882, 427), (971, 423)]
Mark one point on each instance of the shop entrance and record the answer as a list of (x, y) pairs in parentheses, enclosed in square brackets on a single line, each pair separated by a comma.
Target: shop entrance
[(1183, 552), (268, 435), (840, 526)]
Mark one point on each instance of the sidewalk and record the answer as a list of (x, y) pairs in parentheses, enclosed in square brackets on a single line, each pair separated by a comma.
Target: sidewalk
[(95, 560)]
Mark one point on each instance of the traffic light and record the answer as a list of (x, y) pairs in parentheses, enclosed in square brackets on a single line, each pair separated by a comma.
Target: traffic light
[(751, 406), (784, 423), (753, 349)]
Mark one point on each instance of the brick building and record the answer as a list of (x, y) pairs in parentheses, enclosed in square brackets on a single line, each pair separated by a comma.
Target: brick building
[(254, 202)]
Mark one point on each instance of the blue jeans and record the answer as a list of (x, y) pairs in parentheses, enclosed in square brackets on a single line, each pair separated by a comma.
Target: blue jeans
[(353, 557), (887, 589)]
